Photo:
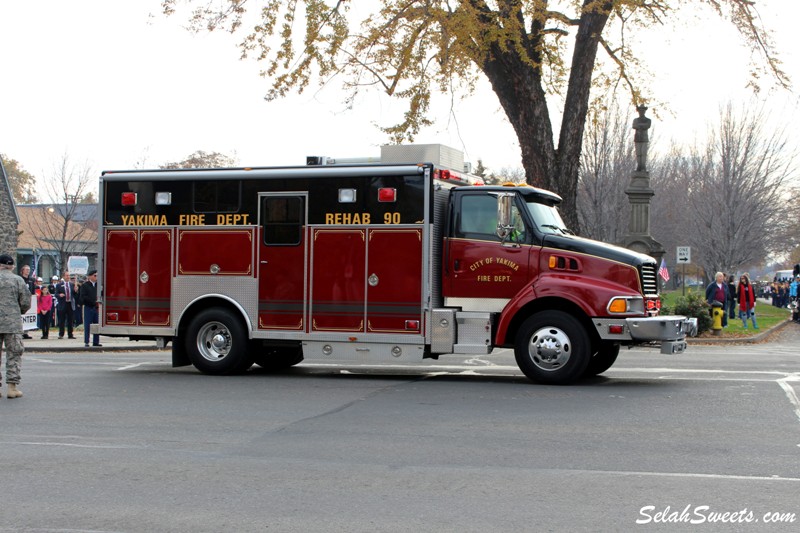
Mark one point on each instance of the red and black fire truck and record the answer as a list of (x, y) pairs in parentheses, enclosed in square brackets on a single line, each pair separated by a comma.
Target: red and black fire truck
[(366, 262)]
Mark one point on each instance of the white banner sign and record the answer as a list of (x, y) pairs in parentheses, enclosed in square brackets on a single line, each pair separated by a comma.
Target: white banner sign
[(29, 318), (78, 264)]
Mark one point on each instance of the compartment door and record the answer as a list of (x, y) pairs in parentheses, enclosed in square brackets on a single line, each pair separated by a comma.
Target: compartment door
[(155, 277), (338, 280), (121, 277), (394, 281)]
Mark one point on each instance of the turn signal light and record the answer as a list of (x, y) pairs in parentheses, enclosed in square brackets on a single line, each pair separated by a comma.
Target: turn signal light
[(618, 305)]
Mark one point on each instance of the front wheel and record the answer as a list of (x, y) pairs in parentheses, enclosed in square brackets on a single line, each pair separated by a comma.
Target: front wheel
[(216, 343), (552, 347)]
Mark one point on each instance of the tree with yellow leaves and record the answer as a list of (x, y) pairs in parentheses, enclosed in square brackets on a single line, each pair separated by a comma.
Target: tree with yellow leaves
[(529, 50)]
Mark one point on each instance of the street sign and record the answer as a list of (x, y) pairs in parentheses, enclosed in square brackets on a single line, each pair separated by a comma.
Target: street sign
[(78, 264), (684, 255)]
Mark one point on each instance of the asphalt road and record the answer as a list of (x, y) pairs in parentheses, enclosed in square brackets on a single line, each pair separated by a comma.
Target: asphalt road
[(124, 442)]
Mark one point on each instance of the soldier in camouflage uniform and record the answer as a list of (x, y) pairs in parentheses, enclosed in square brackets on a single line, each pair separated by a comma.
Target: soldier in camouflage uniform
[(15, 300)]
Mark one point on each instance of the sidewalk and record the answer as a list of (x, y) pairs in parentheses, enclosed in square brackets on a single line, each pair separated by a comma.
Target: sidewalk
[(109, 344)]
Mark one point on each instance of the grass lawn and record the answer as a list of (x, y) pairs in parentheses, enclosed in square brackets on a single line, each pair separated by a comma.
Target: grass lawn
[(767, 316)]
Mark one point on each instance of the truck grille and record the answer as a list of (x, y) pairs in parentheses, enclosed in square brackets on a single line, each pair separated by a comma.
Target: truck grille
[(649, 281)]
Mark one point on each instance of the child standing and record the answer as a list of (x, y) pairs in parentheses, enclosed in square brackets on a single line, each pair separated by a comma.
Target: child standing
[(44, 301)]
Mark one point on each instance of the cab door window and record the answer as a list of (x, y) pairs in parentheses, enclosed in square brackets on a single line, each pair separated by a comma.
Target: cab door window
[(477, 219)]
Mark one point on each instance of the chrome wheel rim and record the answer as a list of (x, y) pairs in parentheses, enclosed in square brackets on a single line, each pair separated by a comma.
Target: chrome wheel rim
[(214, 341), (549, 349)]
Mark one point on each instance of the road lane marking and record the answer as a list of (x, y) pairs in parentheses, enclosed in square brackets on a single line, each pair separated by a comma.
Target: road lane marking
[(790, 393), (685, 475)]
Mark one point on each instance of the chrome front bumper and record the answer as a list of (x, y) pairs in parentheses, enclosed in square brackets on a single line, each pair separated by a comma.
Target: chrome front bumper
[(670, 331)]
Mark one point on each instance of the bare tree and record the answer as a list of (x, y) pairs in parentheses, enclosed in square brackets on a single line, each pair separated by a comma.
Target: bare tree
[(606, 165), (59, 226), (729, 193), (506, 175)]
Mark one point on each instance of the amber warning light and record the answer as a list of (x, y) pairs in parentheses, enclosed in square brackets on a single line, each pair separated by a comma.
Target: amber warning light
[(129, 198)]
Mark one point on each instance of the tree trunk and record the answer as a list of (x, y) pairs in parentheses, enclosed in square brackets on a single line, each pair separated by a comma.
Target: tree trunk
[(576, 106), (519, 88)]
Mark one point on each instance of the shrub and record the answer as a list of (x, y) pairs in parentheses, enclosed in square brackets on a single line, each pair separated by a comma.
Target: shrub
[(694, 305)]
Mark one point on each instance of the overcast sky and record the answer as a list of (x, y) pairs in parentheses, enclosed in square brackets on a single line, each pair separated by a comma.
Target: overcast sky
[(107, 83)]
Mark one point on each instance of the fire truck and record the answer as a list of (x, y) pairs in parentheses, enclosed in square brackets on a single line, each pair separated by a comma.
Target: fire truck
[(365, 262)]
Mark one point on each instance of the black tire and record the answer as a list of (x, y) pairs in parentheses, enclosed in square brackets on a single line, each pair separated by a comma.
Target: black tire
[(552, 347), (278, 358), (603, 359), (216, 343)]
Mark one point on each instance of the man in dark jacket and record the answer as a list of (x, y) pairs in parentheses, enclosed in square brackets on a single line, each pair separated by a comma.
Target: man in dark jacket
[(66, 294), (88, 299)]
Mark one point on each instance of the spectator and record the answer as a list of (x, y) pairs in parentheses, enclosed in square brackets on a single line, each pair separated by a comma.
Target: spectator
[(88, 299), (25, 274), (747, 301), (717, 292), (44, 305), (794, 293), (67, 295), (732, 294)]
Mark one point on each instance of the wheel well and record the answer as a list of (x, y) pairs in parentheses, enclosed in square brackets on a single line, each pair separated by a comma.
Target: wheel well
[(207, 303), (550, 304)]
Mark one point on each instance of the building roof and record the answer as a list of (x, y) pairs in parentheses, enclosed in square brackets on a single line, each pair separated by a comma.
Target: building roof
[(41, 228)]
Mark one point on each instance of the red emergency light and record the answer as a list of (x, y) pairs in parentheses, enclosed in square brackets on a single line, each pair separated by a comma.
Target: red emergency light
[(387, 194), (129, 198)]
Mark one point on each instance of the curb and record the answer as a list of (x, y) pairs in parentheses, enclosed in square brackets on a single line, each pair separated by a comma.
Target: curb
[(104, 349), (755, 339)]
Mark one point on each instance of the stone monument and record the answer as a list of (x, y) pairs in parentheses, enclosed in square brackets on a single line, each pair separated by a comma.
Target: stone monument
[(639, 194)]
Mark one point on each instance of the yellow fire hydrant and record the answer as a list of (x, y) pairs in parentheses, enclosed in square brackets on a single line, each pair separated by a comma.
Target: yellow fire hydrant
[(716, 318)]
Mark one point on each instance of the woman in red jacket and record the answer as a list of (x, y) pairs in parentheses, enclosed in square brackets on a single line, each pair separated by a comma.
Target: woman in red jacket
[(44, 303), (747, 301)]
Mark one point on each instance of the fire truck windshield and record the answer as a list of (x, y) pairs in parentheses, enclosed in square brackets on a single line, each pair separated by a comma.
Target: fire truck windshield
[(546, 218)]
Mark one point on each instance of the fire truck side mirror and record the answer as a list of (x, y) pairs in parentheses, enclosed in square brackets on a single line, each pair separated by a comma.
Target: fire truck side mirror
[(504, 202)]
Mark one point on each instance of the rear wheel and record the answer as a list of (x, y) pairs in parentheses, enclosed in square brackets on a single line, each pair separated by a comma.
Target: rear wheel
[(552, 347), (216, 343), (603, 358), (278, 358)]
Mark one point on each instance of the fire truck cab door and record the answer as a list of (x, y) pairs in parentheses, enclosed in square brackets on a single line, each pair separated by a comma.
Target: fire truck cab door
[(283, 252), (482, 271)]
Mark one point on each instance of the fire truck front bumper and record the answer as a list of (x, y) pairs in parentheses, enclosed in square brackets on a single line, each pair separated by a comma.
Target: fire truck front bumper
[(669, 331)]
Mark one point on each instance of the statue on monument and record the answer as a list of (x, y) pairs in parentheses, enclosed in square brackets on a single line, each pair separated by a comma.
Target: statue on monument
[(640, 139)]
